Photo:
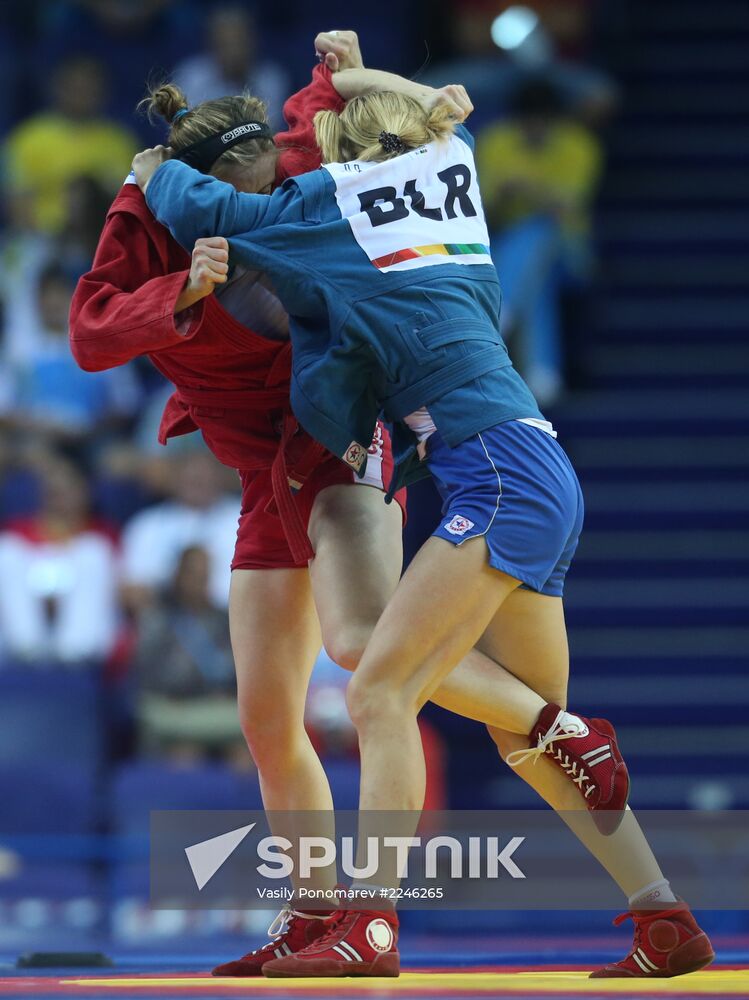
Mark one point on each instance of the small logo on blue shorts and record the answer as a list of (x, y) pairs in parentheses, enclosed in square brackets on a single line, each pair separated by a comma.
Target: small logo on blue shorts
[(459, 525)]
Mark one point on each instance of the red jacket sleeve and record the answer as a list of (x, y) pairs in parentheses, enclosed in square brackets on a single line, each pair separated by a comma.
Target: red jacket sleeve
[(124, 306), (299, 152)]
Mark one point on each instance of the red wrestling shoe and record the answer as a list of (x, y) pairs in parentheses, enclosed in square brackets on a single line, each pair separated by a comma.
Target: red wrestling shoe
[(586, 750), (356, 943), (292, 930), (667, 943)]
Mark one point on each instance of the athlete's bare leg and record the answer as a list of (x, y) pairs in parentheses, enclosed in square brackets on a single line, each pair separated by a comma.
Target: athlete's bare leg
[(276, 638), (526, 640), (358, 558), (357, 540), (522, 648), (528, 637), (442, 606)]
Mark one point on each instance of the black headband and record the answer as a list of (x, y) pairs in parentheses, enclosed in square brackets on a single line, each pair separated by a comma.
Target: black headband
[(204, 153)]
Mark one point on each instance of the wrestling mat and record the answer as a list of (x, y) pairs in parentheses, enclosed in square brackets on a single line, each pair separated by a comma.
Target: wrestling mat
[(420, 983)]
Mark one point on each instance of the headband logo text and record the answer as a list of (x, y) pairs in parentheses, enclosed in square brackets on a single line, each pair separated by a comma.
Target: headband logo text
[(241, 130)]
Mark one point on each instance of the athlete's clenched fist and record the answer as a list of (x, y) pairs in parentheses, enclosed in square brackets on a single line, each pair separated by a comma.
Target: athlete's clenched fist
[(454, 97), (209, 267), (146, 163), (339, 50)]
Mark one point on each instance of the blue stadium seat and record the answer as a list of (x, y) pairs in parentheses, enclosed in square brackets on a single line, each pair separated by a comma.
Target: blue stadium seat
[(142, 786), (49, 797), (129, 880), (46, 712), (36, 879)]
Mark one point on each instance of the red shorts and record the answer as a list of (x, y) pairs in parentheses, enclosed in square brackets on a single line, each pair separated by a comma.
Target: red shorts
[(261, 542)]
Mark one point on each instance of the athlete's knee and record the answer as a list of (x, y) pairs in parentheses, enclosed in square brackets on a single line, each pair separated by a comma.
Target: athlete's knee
[(274, 750), (371, 699), (345, 645), (257, 734), (270, 727), (364, 705)]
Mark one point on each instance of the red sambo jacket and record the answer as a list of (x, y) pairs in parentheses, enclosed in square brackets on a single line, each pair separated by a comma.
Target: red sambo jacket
[(230, 383)]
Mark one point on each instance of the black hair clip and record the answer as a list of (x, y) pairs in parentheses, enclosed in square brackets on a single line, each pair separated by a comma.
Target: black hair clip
[(391, 142)]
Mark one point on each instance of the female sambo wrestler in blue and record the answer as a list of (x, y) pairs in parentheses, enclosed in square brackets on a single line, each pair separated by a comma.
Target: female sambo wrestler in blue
[(381, 259)]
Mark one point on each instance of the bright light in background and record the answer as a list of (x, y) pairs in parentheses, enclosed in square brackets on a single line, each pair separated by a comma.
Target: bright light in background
[(513, 27)]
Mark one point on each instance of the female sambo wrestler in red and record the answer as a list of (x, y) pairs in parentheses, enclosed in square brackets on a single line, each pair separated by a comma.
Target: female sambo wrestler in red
[(228, 356)]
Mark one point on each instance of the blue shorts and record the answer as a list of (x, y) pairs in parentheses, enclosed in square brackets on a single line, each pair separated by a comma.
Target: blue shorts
[(514, 486)]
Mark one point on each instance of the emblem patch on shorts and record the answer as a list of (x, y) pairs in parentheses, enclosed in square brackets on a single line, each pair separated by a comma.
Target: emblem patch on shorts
[(355, 455), (459, 525)]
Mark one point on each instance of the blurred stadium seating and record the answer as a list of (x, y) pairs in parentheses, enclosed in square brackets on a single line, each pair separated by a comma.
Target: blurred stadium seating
[(657, 425)]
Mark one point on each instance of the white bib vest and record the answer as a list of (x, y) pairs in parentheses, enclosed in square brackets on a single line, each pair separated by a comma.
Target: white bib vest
[(416, 210)]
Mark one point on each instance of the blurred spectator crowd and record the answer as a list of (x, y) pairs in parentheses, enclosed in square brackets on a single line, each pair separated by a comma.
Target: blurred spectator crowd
[(115, 552)]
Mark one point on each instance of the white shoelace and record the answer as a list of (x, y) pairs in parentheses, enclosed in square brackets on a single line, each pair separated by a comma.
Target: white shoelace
[(564, 727), (280, 923)]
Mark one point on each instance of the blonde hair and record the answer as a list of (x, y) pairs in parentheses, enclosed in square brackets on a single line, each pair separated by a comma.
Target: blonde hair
[(355, 134), (207, 119)]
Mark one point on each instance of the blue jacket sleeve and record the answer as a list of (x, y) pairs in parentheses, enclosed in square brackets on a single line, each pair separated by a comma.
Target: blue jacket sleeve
[(462, 133), (193, 205)]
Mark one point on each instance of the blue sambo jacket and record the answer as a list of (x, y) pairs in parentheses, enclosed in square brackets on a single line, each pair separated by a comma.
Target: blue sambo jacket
[(385, 271)]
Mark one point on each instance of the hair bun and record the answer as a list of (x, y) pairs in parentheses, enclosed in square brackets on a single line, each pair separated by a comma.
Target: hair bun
[(165, 101)]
